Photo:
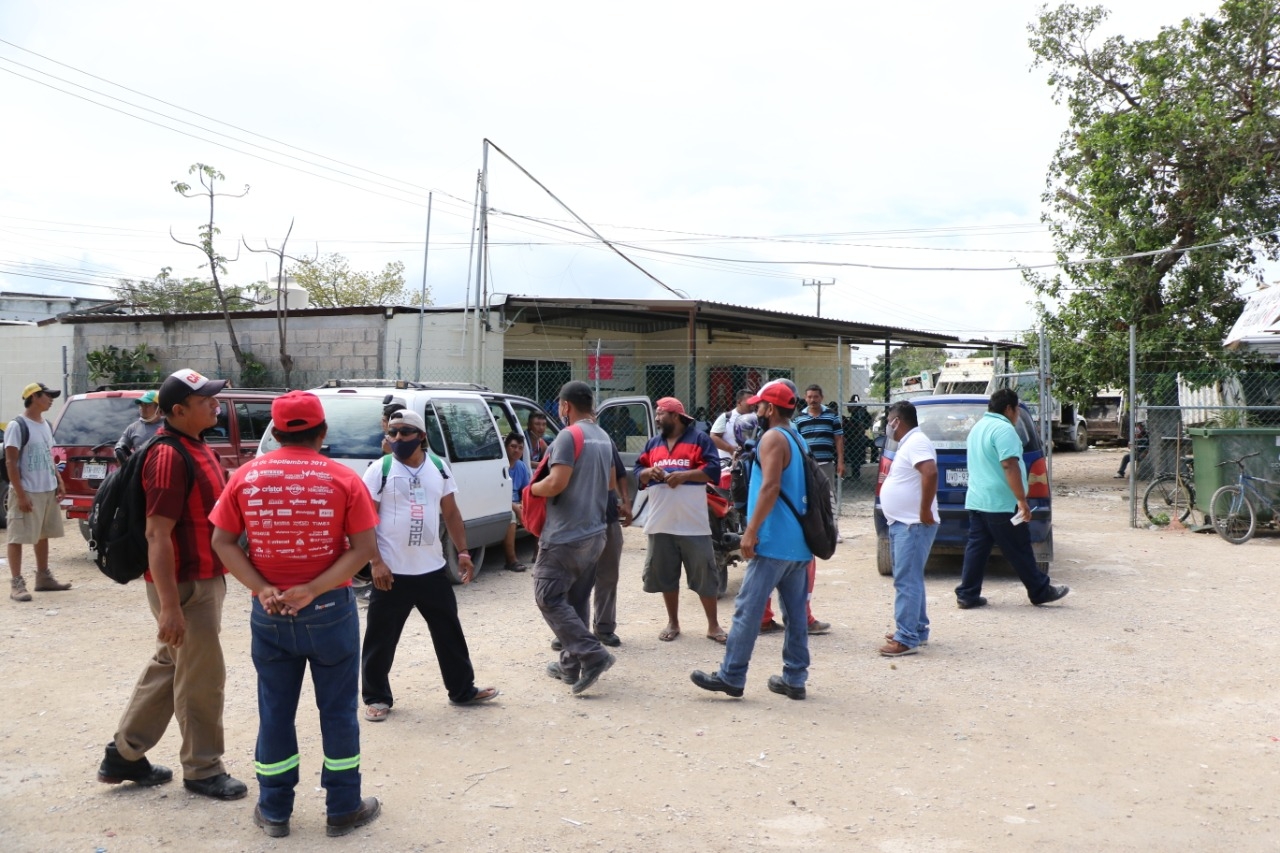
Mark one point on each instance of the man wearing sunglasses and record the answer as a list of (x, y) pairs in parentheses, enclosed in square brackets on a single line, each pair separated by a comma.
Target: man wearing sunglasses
[(416, 492)]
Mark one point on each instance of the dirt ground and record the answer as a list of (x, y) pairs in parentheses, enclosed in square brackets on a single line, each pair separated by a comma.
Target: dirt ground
[(1139, 714)]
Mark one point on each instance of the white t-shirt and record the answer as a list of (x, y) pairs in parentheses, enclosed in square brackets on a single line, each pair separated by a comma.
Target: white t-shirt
[(36, 460), (900, 492), (724, 427), (409, 515)]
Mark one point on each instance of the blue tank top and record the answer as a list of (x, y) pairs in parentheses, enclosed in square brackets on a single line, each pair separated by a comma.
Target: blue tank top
[(780, 535)]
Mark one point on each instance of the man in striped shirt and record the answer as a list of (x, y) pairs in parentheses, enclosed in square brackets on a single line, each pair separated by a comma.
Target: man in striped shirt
[(823, 431)]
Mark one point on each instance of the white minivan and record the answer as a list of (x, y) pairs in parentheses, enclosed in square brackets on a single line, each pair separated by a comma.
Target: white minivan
[(465, 427)]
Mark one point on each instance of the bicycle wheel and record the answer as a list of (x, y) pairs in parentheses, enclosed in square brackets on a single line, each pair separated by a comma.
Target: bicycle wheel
[(1232, 515), (1167, 497)]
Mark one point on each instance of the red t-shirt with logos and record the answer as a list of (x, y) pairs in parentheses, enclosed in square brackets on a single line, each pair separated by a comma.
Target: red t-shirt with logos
[(298, 507)]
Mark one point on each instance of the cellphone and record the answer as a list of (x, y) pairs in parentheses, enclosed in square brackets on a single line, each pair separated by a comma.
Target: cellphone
[(1017, 518)]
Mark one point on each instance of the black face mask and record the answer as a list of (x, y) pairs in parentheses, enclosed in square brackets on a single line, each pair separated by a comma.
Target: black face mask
[(404, 449)]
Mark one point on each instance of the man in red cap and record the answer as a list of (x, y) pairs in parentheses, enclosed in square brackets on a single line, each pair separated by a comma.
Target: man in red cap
[(778, 556), (299, 510), (675, 466)]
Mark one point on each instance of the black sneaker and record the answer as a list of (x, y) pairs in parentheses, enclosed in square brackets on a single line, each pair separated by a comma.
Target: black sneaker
[(713, 683), (591, 673), (556, 645), (220, 787), (970, 603), (1054, 593), (777, 685), (368, 812), (273, 828), (115, 769), (609, 639)]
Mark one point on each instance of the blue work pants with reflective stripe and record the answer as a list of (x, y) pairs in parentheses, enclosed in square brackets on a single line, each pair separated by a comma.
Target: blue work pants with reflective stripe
[(326, 635)]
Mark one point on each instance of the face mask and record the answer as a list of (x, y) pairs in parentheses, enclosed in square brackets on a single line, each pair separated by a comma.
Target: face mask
[(218, 410), (404, 449)]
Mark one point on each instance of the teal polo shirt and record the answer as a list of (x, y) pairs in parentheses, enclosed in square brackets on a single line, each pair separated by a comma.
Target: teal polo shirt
[(992, 440)]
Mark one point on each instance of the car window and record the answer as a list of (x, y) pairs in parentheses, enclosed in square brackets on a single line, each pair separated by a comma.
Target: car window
[(253, 419), (523, 410), (948, 426), (94, 421), (1026, 427), (504, 417), (625, 425), (435, 438), (355, 428), (468, 430)]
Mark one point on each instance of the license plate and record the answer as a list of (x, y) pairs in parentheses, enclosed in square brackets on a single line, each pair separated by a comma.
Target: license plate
[(958, 477), (96, 471)]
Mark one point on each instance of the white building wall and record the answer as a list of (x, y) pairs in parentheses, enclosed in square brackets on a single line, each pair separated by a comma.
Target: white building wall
[(30, 353)]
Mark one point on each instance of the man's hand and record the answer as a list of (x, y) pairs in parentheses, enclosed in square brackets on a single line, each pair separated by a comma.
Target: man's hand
[(676, 478), (295, 598), (1025, 509), (748, 543), (926, 516), (24, 503), (624, 514), (466, 568), (382, 577), (269, 598), (840, 468), (172, 627)]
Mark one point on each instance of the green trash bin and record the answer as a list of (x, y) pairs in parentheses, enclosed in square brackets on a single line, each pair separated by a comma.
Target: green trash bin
[(1213, 446)]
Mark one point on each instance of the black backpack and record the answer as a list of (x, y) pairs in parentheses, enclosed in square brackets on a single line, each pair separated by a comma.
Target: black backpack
[(118, 519)]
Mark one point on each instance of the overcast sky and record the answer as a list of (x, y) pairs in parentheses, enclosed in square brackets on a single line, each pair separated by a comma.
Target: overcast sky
[(908, 135)]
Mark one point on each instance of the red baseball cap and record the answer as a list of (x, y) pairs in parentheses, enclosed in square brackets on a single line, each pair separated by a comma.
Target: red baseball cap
[(296, 411), (675, 407), (776, 392)]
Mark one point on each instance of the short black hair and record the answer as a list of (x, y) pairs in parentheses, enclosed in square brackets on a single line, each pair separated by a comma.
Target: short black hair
[(513, 436), (578, 394), (742, 394), (814, 387), (1002, 399), (533, 416), (905, 411), (391, 408), (301, 437)]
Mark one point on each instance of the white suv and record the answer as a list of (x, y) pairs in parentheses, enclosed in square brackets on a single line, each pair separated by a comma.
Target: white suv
[(465, 427)]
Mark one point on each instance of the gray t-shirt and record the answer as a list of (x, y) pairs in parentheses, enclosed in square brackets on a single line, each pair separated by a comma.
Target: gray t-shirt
[(579, 511), (36, 459)]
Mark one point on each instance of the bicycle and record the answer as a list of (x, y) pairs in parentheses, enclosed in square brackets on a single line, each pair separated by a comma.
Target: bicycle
[(1231, 507), (1171, 495)]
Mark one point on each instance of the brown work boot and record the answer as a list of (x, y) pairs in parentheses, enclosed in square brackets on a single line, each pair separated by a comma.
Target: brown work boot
[(18, 589), (46, 582)]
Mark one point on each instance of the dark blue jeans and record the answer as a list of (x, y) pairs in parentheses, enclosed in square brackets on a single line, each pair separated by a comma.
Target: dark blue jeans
[(1014, 541), (326, 635)]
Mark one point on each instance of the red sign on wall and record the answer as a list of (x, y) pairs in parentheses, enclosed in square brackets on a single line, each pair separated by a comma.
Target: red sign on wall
[(599, 366)]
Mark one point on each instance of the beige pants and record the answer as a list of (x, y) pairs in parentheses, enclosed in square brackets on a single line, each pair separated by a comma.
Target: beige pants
[(185, 682), (43, 522)]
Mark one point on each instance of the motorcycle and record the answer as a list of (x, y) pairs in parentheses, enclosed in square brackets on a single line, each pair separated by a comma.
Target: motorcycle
[(726, 533)]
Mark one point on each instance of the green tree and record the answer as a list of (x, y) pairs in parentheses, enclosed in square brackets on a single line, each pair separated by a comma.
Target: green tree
[(1168, 164), (904, 362), (331, 283), (165, 294)]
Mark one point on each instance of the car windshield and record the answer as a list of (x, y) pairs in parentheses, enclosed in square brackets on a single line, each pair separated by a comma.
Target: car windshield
[(94, 421), (948, 425), (355, 425)]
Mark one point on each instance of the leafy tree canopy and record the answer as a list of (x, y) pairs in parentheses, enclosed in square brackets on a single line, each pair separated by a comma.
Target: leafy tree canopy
[(1168, 163), (331, 283), (904, 362), (165, 294)]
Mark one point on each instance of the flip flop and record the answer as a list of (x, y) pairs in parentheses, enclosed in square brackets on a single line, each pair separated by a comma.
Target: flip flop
[(720, 638), (377, 712), (484, 694), (667, 634)]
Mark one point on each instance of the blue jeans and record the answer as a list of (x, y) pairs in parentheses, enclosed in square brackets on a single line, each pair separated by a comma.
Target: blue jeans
[(910, 544), (1014, 540), (765, 574), (326, 634)]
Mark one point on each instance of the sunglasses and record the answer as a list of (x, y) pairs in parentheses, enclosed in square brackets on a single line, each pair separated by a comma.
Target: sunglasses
[(407, 432)]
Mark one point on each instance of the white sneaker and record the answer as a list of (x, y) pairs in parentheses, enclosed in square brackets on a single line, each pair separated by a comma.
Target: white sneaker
[(839, 538)]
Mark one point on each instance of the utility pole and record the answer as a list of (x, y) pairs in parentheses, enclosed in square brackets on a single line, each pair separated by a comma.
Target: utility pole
[(819, 285)]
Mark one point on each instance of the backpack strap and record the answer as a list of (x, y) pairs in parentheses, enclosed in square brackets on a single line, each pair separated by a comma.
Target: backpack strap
[(23, 431), (791, 433), (386, 467)]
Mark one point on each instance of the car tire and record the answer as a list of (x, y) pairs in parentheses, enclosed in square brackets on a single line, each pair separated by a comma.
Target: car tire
[(451, 556), (884, 557), (1082, 440)]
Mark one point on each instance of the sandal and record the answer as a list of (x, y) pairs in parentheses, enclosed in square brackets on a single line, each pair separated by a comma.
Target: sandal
[(484, 694), (377, 712), (719, 637)]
